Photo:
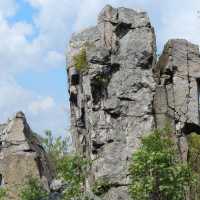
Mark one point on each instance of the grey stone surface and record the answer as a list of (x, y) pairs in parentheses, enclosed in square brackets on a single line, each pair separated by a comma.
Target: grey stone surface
[(113, 100), (125, 93), (176, 98), (21, 155)]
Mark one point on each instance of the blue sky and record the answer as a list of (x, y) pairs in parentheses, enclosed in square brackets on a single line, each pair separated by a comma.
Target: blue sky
[(34, 36), (24, 12)]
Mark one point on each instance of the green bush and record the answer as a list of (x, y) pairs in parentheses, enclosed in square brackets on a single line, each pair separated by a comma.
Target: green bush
[(80, 60), (194, 152), (73, 168), (55, 148), (3, 193), (194, 162), (68, 167), (32, 190), (156, 172)]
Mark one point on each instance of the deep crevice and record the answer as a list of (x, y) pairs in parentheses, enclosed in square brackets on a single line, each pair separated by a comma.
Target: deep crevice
[(97, 145), (110, 141), (40, 166), (28, 150), (81, 120), (99, 83), (114, 114), (190, 128), (125, 99), (122, 29), (73, 99)]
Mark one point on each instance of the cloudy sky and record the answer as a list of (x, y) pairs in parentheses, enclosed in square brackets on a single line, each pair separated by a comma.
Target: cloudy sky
[(33, 39)]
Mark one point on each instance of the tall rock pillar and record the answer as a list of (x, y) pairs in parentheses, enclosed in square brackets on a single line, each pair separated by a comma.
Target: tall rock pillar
[(177, 98), (111, 89)]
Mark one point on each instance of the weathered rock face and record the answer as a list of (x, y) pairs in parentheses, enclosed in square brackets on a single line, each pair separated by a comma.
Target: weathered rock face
[(111, 103), (177, 94), (123, 93), (21, 155)]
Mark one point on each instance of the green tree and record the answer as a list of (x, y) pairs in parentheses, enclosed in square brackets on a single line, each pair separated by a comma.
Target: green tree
[(56, 148), (194, 162), (156, 172), (73, 168), (194, 151), (32, 190), (3, 193)]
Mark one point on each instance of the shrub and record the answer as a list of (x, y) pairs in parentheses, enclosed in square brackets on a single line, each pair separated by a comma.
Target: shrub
[(55, 148), (194, 152), (2, 193), (68, 167), (32, 190), (194, 162), (80, 60), (73, 168), (156, 172)]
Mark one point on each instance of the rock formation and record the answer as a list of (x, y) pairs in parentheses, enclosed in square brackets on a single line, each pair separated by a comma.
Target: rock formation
[(177, 98), (21, 155), (122, 92)]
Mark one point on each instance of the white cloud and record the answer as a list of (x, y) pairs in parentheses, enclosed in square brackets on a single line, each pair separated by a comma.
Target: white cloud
[(53, 23), (41, 112), (54, 58), (89, 10), (56, 20), (19, 53), (54, 119), (179, 21), (172, 19), (46, 50), (8, 8), (45, 111), (41, 105), (12, 98)]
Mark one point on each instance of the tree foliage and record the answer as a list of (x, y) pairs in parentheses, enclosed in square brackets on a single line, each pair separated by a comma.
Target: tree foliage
[(156, 172), (3, 193), (69, 167), (73, 168), (194, 162), (80, 60), (56, 148), (32, 190), (194, 152)]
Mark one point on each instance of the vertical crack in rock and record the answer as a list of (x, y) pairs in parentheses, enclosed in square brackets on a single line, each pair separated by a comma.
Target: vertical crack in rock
[(189, 82), (119, 93), (181, 108), (115, 91)]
